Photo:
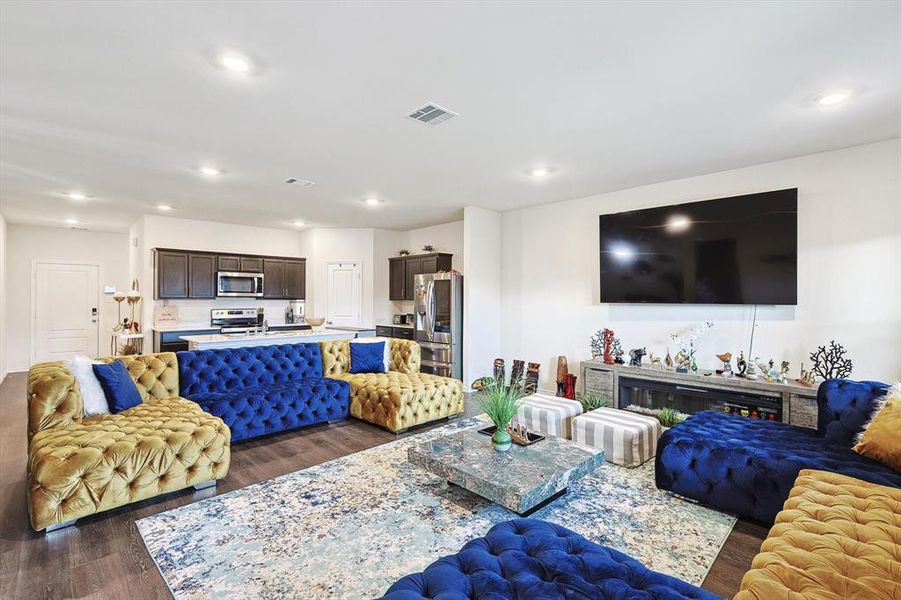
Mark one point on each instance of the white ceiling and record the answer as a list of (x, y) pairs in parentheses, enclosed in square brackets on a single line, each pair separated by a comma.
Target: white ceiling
[(123, 101)]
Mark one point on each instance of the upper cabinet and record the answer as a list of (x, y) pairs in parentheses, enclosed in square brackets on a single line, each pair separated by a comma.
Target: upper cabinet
[(186, 274), (402, 269)]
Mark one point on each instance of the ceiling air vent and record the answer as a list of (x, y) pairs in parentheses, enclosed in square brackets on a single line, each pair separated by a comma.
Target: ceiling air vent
[(299, 182), (431, 114)]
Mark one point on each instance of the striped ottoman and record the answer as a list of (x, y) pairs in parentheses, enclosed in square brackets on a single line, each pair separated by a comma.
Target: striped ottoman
[(549, 415), (627, 438)]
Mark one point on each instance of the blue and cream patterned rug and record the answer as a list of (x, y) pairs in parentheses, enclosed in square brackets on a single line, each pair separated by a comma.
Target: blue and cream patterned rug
[(351, 527)]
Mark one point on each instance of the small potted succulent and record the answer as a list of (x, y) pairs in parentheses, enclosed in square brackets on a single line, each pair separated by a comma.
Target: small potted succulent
[(403, 252), (500, 403), (669, 417), (428, 248), (592, 401)]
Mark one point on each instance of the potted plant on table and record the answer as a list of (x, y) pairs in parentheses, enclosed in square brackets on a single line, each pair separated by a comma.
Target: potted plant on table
[(500, 403)]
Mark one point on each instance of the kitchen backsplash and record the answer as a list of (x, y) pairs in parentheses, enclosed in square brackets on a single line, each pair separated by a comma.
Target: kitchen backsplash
[(197, 312)]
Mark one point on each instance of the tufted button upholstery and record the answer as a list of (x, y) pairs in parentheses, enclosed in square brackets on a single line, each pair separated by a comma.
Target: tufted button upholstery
[(402, 397), (836, 537), (263, 389), (845, 406), (79, 466), (537, 560), (746, 466)]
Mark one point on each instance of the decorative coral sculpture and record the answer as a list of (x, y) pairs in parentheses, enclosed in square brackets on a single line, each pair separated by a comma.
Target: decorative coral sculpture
[(830, 363)]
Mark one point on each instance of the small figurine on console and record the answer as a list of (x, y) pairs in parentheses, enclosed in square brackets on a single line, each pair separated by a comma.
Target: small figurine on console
[(742, 364), (726, 359), (608, 337), (655, 362), (807, 378), (635, 356), (618, 351), (668, 361), (751, 372)]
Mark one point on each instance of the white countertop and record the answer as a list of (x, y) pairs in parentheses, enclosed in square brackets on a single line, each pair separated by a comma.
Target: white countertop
[(219, 340)]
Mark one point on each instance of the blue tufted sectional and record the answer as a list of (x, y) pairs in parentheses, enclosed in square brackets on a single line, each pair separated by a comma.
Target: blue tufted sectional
[(263, 389), (748, 467), (536, 560)]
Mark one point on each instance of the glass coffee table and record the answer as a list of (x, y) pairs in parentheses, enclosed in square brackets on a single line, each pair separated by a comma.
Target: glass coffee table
[(523, 480)]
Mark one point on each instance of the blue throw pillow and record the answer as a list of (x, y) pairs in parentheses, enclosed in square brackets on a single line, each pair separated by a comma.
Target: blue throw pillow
[(118, 386), (367, 357)]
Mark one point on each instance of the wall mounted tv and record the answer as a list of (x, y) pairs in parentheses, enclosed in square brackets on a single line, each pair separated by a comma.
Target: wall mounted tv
[(738, 250)]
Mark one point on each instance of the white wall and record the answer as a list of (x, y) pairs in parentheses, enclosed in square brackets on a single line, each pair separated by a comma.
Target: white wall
[(386, 244), (3, 330), (322, 246), (482, 292), (849, 237), (25, 244), (447, 237)]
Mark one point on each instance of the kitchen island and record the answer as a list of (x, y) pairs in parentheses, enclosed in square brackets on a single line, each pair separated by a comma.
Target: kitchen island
[(244, 340)]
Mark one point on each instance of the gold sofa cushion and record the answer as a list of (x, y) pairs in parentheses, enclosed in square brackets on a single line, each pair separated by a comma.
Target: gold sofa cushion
[(881, 440), (836, 537), (401, 400), (405, 356), (79, 465)]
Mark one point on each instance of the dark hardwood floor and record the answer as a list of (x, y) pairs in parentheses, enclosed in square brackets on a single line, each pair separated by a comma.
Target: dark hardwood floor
[(103, 556)]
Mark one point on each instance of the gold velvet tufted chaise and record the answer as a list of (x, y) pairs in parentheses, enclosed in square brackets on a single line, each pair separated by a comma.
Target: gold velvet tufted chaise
[(402, 397), (78, 466)]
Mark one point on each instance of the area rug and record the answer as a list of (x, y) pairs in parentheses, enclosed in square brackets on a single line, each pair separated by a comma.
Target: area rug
[(351, 527)]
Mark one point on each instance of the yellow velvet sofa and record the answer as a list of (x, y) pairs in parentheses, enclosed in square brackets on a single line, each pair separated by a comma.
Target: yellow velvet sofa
[(78, 466), (836, 537), (399, 399)]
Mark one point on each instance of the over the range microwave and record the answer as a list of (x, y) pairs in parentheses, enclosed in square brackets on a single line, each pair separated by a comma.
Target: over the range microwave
[(239, 285)]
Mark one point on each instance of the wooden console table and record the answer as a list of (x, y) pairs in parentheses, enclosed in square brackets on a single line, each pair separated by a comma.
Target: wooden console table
[(799, 403)]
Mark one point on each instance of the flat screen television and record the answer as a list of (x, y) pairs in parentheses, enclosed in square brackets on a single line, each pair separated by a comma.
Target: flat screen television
[(738, 250)]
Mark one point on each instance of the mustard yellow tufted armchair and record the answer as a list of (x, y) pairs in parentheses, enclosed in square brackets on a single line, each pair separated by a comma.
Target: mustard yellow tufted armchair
[(78, 466), (399, 399)]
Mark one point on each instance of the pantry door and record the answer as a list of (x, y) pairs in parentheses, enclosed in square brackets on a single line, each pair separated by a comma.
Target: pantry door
[(345, 294), (65, 310)]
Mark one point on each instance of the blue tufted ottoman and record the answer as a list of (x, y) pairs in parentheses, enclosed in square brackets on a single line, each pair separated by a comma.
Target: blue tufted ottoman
[(537, 560), (748, 467)]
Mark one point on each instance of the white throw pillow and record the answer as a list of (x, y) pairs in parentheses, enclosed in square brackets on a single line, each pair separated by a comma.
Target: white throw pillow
[(386, 358), (92, 396)]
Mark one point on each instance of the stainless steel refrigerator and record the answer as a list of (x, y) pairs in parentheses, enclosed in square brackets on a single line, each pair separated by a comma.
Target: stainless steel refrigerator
[(439, 322)]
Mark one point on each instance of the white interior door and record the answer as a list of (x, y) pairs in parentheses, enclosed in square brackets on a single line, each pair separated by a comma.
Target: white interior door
[(66, 311), (345, 294)]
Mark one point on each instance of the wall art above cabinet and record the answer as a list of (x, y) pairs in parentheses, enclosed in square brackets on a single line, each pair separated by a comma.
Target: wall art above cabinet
[(193, 274)]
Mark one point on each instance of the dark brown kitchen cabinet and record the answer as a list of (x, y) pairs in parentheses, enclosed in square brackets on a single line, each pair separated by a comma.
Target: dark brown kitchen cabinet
[(403, 269), (273, 278), (295, 279), (201, 276), (171, 275), (397, 277), (240, 264)]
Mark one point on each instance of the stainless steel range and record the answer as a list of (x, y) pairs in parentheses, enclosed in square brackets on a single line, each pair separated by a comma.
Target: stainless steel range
[(439, 322), (237, 320)]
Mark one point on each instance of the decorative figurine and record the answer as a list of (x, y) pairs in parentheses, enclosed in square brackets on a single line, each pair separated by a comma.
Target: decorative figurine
[(751, 373), (831, 363), (482, 382), (635, 355), (742, 364), (783, 371), (655, 362), (532, 378), (516, 373), (807, 378), (687, 344), (618, 351), (668, 361), (518, 433), (428, 248), (562, 370), (570, 392), (608, 337), (683, 363), (500, 374), (726, 359)]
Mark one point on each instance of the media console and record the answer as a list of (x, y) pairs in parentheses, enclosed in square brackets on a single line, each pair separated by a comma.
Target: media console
[(651, 387)]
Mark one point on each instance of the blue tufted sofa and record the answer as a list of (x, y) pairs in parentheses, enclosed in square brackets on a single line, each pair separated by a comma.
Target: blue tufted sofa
[(537, 560), (263, 389), (748, 467)]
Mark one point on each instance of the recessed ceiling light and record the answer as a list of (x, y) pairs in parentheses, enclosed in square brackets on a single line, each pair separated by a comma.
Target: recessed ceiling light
[(299, 223), (833, 98), (372, 201), (678, 223), (235, 62), (76, 196), (163, 207), (72, 221), (539, 172), (210, 171)]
